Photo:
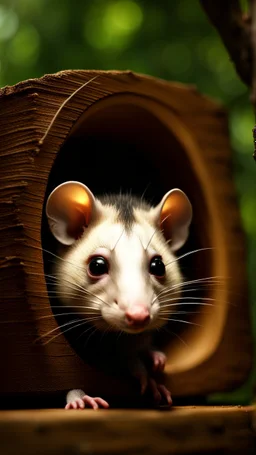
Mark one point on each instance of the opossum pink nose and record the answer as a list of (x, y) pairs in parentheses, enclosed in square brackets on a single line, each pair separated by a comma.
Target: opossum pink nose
[(137, 316)]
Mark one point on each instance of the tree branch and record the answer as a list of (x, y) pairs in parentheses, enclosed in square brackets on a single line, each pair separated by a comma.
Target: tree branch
[(253, 43), (235, 31)]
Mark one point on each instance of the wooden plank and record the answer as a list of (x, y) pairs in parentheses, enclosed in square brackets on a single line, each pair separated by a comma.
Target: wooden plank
[(185, 430)]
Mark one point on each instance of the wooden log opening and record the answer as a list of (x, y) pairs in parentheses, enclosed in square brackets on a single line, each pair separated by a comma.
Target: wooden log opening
[(158, 136)]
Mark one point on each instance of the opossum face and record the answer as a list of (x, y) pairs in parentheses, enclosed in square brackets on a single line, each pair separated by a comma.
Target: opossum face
[(119, 277), (121, 271)]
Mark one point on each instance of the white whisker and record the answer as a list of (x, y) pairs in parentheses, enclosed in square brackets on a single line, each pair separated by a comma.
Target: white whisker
[(179, 312), (64, 325), (180, 320), (65, 314), (68, 306), (175, 334), (82, 291), (65, 331), (183, 291), (113, 248), (85, 331), (180, 286), (61, 259), (187, 254), (169, 299), (188, 303)]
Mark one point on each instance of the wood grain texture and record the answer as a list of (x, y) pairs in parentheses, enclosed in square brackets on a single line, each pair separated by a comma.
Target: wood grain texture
[(189, 133), (202, 430)]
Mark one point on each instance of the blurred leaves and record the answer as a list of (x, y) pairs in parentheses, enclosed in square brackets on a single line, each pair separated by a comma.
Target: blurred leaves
[(168, 39), (111, 25), (24, 47)]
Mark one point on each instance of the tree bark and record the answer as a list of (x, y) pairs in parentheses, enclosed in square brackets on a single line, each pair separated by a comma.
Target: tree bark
[(238, 33), (235, 31)]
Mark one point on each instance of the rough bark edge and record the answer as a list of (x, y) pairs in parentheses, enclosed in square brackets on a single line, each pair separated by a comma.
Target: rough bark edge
[(235, 31)]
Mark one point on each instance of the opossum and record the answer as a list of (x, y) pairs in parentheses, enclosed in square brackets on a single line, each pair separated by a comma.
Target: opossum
[(116, 274)]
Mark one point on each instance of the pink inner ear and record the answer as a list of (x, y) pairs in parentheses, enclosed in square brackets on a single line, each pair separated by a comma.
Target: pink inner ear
[(176, 213), (79, 219), (168, 218), (176, 210)]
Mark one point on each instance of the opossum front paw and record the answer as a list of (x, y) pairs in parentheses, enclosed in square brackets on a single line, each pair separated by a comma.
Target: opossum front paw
[(161, 395), (87, 402), (158, 360)]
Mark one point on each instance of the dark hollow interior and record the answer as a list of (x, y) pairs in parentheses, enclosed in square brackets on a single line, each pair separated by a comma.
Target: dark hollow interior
[(128, 149)]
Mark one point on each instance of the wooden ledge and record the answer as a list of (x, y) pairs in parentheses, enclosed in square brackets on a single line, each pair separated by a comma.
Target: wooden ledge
[(182, 430)]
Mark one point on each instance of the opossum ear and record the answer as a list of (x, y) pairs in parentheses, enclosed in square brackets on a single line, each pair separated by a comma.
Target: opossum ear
[(174, 215), (69, 209)]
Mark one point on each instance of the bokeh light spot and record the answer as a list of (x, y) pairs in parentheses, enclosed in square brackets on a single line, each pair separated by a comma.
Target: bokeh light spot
[(248, 209), (8, 23), (24, 47), (111, 26), (241, 122), (123, 17)]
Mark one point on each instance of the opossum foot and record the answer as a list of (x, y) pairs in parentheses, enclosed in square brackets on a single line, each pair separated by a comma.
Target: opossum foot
[(87, 402), (161, 395), (158, 359)]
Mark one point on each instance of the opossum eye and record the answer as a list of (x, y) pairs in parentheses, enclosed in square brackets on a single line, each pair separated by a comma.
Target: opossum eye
[(157, 267), (98, 266)]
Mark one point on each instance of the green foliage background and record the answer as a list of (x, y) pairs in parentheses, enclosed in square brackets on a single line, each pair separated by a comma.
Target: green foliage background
[(168, 39)]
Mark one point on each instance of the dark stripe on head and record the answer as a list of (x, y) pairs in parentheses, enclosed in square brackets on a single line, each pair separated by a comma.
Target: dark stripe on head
[(125, 205)]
